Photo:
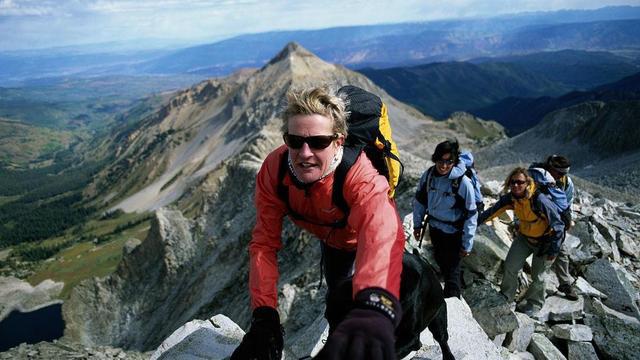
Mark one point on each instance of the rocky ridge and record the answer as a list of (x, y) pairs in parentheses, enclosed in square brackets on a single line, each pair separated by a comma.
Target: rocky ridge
[(599, 137), (69, 350)]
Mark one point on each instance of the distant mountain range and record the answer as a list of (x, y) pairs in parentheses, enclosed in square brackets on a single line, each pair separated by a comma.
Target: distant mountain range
[(519, 114), (610, 29), (577, 69), (404, 44), (438, 89)]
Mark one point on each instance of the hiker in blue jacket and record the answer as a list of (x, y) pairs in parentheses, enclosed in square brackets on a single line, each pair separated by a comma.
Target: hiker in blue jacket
[(451, 215)]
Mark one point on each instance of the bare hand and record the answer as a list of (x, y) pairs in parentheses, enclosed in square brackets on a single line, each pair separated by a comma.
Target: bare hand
[(417, 232), (464, 253)]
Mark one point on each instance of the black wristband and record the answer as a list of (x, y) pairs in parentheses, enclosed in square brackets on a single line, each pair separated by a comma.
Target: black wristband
[(381, 300)]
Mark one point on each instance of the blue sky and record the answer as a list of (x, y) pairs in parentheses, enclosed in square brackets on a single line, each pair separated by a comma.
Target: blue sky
[(26, 24)]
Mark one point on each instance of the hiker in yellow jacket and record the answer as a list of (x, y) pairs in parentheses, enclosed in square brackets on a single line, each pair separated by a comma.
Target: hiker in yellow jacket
[(540, 232)]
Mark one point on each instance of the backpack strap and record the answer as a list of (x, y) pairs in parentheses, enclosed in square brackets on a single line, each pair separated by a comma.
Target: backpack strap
[(283, 194), (423, 193), (282, 190), (538, 211), (563, 183), (349, 156), (386, 150), (533, 201), (455, 190)]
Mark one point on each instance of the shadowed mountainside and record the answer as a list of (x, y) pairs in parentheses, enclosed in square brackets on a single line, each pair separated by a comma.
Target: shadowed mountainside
[(519, 114)]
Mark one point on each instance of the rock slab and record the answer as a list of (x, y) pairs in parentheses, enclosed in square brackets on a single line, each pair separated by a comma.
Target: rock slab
[(213, 339), (543, 349), (576, 332)]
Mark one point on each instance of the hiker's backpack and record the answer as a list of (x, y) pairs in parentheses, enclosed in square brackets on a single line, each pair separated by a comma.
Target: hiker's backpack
[(546, 184), (467, 158), (369, 131)]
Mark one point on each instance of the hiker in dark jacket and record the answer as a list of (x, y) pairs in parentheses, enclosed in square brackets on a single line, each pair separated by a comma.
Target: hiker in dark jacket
[(540, 232), (451, 216), (363, 258), (558, 166)]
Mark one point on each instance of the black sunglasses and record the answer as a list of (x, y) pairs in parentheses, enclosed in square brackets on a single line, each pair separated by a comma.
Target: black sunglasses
[(517, 182), (444, 162), (317, 142)]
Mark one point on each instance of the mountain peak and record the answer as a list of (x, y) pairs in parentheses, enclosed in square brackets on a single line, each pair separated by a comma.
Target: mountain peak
[(292, 48)]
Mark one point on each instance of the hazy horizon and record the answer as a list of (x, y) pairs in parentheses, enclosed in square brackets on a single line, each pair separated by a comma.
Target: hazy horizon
[(32, 24)]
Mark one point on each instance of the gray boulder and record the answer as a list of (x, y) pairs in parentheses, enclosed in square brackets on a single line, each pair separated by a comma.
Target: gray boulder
[(215, 338), (521, 355), (551, 282), (596, 307), (558, 308), (577, 253), (519, 338), (543, 349), (614, 334), (615, 252), (592, 243), (612, 280), (629, 213), (498, 340), (490, 309), (489, 252), (581, 351), (575, 332), (605, 230), (467, 340), (628, 245), (605, 206), (491, 188), (597, 243), (584, 288)]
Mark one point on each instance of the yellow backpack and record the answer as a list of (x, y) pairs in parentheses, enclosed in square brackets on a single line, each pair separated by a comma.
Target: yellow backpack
[(369, 130)]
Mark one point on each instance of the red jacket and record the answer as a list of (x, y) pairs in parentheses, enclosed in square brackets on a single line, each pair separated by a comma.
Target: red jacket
[(374, 228)]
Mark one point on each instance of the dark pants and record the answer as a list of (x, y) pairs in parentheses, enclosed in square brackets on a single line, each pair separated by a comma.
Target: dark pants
[(420, 296), (446, 250)]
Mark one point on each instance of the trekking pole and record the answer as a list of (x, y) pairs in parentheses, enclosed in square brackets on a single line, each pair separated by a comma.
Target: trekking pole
[(424, 230)]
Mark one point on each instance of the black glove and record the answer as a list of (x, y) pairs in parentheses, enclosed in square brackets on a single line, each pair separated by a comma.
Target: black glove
[(264, 339), (367, 332)]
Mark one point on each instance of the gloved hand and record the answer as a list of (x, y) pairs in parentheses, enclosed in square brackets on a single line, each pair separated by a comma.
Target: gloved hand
[(264, 339), (367, 332)]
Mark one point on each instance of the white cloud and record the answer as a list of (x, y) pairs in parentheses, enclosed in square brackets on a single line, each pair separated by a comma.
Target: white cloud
[(62, 22), (25, 8)]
